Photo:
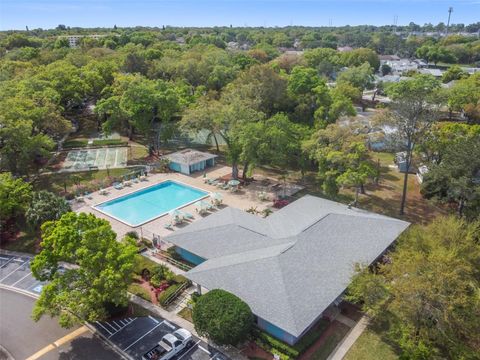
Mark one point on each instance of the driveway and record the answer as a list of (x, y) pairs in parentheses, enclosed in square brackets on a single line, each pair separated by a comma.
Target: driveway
[(45, 339)]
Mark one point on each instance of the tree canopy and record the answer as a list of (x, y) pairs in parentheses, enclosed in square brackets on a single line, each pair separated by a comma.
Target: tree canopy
[(426, 292), (45, 206), (15, 195), (223, 317), (96, 269)]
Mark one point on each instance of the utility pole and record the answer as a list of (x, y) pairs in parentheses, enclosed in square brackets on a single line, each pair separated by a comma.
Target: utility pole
[(450, 10), (395, 22)]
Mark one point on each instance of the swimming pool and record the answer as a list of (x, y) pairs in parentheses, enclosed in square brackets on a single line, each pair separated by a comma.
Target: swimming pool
[(150, 203)]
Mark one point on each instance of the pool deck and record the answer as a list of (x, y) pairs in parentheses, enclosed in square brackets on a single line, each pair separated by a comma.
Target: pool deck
[(243, 199)]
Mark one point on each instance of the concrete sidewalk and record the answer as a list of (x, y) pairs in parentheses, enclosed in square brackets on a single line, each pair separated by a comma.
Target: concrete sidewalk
[(341, 350)]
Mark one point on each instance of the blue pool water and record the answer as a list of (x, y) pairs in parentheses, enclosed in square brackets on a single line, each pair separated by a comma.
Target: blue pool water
[(148, 204)]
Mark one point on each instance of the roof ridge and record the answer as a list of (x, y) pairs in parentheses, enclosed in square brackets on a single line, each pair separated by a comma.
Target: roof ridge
[(241, 261), (291, 315)]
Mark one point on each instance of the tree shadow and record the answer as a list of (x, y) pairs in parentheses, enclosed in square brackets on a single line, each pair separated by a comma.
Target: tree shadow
[(88, 348)]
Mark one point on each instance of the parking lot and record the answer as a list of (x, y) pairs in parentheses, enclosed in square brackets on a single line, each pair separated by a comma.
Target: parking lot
[(136, 336), (15, 272)]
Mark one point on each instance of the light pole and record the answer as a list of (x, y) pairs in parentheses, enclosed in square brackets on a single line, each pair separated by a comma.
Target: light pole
[(450, 10)]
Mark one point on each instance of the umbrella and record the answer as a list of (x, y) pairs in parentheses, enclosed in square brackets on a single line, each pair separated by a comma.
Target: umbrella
[(174, 213), (233, 182), (216, 196), (201, 205)]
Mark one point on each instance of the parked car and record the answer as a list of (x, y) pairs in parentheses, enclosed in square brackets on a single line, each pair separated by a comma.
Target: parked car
[(170, 345)]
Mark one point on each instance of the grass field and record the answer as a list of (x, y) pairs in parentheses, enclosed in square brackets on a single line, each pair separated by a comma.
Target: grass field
[(370, 345), (331, 342), (56, 182), (383, 198), (26, 242), (186, 313)]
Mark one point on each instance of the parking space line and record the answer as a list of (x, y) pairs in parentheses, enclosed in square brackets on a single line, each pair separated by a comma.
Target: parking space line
[(13, 271), (16, 282), (34, 285), (3, 265), (152, 318), (111, 326), (116, 324), (202, 348), (121, 329), (169, 325), (141, 337), (104, 328), (186, 352)]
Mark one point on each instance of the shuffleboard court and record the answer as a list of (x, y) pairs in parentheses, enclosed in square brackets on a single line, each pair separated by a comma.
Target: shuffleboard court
[(80, 160)]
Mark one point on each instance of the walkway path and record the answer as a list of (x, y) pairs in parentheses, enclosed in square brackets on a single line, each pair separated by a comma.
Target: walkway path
[(341, 350)]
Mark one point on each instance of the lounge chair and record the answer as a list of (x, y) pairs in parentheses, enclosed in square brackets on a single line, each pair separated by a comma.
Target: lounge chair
[(168, 226), (134, 179), (102, 192), (118, 186), (127, 183), (188, 216), (88, 195), (206, 180)]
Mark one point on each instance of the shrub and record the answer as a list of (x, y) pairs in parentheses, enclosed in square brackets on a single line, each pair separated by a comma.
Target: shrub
[(179, 279), (140, 291), (272, 344), (160, 274), (75, 143), (223, 317), (106, 142), (165, 295), (141, 262), (132, 234)]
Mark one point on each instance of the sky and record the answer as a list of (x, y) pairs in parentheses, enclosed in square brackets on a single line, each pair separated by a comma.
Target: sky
[(16, 14)]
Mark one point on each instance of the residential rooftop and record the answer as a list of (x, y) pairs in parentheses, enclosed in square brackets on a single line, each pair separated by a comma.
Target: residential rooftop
[(290, 266), (189, 157)]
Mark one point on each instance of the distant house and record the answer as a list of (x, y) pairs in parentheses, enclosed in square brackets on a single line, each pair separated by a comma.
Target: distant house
[(422, 170), (433, 72), (73, 40), (291, 268), (188, 161), (400, 160), (344, 48), (388, 58)]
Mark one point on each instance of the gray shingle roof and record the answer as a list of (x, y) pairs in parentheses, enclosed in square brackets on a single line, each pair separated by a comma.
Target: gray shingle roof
[(292, 265), (189, 157)]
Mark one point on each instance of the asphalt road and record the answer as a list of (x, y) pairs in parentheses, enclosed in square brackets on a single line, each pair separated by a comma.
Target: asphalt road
[(23, 337)]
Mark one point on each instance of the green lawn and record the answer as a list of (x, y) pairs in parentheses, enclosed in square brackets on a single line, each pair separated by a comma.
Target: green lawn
[(25, 242), (370, 345), (186, 313), (56, 182), (331, 342), (75, 143)]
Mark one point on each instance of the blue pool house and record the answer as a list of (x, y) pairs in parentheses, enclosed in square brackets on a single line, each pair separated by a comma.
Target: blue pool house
[(188, 161), (291, 268)]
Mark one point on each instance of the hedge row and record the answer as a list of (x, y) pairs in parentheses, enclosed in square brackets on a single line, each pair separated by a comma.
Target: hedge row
[(75, 143), (179, 281), (164, 296), (106, 142), (273, 345)]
